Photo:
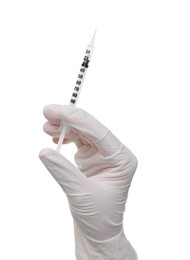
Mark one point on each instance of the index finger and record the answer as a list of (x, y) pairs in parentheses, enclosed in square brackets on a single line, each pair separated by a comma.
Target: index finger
[(85, 123)]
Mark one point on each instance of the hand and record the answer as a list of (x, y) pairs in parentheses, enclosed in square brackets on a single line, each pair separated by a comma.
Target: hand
[(97, 189)]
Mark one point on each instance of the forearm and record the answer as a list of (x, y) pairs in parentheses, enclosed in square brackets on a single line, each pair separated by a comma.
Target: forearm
[(116, 248)]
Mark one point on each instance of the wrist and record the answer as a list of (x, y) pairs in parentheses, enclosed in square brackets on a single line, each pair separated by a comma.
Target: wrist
[(116, 248)]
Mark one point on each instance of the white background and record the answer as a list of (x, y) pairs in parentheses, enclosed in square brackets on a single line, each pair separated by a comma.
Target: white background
[(137, 85)]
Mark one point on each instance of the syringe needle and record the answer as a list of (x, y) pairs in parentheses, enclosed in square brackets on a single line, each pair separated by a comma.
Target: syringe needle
[(93, 38), (75, 95)]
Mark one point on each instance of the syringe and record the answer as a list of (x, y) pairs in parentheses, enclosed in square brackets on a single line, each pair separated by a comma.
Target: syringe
[(78, 85)]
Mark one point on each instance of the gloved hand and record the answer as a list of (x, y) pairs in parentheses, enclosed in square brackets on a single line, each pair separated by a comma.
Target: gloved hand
[(97, 189)]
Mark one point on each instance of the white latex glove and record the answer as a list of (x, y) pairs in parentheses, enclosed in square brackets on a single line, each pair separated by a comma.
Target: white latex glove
[(97, 189)]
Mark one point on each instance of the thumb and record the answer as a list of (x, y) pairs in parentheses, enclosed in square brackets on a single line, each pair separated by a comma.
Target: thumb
[(71, 180)]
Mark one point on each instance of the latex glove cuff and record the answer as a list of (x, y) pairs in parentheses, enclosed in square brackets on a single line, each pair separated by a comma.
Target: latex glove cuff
[(116, 248)]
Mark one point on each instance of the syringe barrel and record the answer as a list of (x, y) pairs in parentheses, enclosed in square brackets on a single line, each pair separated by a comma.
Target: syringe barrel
[(78, 85)]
